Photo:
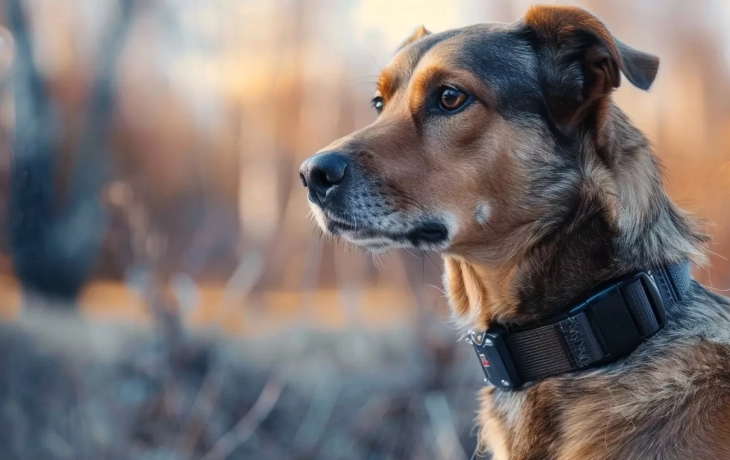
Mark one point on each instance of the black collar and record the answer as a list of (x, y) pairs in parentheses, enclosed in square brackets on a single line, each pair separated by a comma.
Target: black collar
[(608, 325)]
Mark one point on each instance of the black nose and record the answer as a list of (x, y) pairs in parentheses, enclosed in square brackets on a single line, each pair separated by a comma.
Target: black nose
[(322, 172)]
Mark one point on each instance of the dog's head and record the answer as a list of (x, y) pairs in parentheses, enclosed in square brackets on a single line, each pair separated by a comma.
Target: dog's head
[(475, 142)]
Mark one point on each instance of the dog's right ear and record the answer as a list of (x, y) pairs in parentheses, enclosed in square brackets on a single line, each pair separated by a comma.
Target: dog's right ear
[(580, 62), (417, 35)]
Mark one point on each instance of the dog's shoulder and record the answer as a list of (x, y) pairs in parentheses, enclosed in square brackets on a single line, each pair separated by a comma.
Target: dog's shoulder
[(670, 399)]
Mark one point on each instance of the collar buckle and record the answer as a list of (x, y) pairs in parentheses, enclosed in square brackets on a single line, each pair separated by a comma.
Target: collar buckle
[(617, 321), (494, 357), (655, 297)]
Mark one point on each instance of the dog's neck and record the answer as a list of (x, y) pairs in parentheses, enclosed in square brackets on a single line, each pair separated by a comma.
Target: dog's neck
[(623, 222)]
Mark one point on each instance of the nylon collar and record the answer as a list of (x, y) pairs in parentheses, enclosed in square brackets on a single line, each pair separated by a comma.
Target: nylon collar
[(607, 325)]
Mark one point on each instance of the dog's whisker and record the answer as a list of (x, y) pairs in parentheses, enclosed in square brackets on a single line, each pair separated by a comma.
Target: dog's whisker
[(375, 62), (484, 236), (717, 255), (434, 263), (423, 267), (371, 83), (365, 76), (441, 290)]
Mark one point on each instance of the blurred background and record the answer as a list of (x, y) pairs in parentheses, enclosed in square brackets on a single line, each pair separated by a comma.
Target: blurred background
[(178, 301)]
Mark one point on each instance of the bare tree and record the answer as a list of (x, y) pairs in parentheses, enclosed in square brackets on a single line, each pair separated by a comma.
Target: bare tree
[(53, 247)]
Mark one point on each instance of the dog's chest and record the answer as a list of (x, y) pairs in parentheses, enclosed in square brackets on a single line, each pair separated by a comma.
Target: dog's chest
[(520, 424), (502, 416)]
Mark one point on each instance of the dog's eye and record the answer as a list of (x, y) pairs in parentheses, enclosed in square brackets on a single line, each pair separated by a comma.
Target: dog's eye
[(451, 99), (377, 103)]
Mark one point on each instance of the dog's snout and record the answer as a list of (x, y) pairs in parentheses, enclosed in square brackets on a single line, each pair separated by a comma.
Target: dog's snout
[(322, 172)]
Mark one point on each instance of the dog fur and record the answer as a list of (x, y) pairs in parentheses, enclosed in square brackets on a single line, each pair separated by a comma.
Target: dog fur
[(545, 189)]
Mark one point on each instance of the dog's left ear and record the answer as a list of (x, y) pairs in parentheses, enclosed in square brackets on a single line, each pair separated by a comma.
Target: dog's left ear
[(417, 35), (580, 61)]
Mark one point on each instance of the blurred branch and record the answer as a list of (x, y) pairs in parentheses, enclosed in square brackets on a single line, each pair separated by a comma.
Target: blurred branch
[(242, 281), (317, 416), (447, 439), (200, 413), (243, 430), (53, 251), (372, 412), (101, 111), (237, 289)]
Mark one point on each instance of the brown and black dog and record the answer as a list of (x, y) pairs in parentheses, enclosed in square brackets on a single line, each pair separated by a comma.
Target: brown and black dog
[(498, 145)]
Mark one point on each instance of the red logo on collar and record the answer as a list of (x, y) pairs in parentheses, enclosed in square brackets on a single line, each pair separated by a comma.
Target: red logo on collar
[(485, 361)]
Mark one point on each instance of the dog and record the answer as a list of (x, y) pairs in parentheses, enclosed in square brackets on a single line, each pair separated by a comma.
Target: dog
[(499, 146)]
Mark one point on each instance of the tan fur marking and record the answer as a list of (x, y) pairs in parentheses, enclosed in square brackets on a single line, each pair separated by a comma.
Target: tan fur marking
[(387, 83), (454, 283), (477, 295), (493, 437)]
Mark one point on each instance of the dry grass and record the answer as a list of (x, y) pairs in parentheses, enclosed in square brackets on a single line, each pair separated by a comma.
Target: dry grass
[(78, 390)]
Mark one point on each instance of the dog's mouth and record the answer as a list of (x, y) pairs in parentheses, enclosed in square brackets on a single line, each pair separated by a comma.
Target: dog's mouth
[(426, 234)]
